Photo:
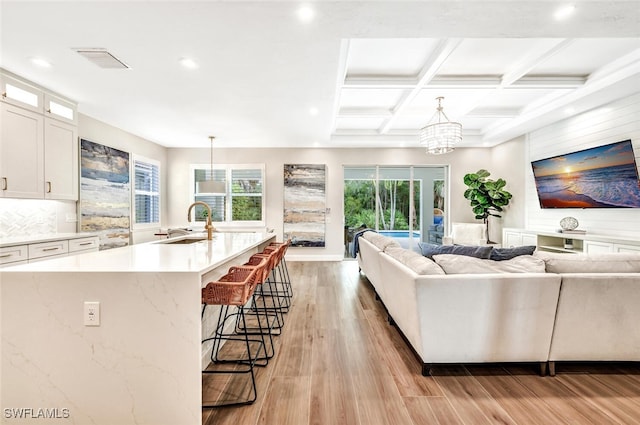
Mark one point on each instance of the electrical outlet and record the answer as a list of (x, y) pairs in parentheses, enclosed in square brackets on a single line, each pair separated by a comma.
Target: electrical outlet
[(91, 313)]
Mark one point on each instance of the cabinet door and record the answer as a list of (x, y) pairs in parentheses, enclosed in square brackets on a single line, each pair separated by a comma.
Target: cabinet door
[(21, 94), (626, 248), (60, 160), (60, 109), (591, 247), (512, 239), (21, 153), (529, 239)]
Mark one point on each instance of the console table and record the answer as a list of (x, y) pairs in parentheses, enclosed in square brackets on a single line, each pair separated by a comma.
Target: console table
[(555, 241)]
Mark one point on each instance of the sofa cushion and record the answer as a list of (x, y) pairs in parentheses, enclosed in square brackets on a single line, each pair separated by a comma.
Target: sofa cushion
[(380, 241), (590, 263), (460, 264), (416, 262), (478, 251), (501, 254)]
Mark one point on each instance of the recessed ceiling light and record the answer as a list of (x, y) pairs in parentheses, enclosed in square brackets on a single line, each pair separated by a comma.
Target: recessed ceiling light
[(188, 63), (313, 111), (40, 62), (306, 13), (564, 12)]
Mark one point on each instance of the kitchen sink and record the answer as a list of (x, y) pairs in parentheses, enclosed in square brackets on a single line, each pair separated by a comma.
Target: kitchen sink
[(184, 241)]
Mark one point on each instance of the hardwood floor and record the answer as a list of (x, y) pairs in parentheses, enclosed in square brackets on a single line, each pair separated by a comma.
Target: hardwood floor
[(338, 362)]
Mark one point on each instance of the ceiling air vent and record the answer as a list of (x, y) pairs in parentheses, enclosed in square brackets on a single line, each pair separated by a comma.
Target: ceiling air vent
[(102, 58)]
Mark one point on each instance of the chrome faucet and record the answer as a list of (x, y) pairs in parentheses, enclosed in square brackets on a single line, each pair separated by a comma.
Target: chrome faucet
[(207, 226)]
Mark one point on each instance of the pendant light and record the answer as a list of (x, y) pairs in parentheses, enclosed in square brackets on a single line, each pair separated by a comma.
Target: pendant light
[(441, 136), (211, 186)]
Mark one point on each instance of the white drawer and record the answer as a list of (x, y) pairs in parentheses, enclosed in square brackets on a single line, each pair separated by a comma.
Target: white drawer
[(11, 254), (47, 258), (15, 263), (83, 244), (46, 249)]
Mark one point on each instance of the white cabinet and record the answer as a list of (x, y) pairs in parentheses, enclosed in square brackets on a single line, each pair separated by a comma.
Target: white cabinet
[(48, 249), (60, 160), (529, 239), (625, 248), (60, 109), (575, 243), (13, 255), (38, 146), (512, 238), (596, 247), (77, 246), (20, 93), (33, 252), (21, 153)]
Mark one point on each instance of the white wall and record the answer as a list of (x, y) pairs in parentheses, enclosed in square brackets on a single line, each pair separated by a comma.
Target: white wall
[(461, 161), (105, 134), (508, 163), (615, 122)]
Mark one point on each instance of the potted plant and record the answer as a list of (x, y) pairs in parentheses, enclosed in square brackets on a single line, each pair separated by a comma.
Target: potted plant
[(487, 196)]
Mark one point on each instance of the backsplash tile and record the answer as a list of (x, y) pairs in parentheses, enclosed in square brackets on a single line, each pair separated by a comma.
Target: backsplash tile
[(29, 217)]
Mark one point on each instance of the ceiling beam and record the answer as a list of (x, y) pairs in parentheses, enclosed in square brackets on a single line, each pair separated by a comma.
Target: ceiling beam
[(440, 54), (464, 82)]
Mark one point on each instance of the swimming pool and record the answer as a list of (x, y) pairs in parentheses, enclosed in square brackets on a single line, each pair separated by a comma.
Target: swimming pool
[(399, 233)]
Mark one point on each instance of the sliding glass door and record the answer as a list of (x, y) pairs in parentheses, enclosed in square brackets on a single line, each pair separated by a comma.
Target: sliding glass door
[(406, 203)]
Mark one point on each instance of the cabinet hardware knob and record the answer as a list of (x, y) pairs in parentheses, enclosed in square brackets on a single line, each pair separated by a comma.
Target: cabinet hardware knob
[(48, 187), (5, 184), (86, 243), (51, 249), (5, 256), (4, 94)]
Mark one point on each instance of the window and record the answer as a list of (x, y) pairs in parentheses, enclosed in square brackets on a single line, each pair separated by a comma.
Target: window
[(147, 192), (238, 197)]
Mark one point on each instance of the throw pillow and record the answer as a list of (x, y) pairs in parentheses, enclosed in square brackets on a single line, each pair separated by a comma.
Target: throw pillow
[(501, 254), (478, 251), (458, 264)]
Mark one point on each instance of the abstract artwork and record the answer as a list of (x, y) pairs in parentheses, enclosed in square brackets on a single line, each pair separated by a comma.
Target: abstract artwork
[(304, 204), (105, 197)]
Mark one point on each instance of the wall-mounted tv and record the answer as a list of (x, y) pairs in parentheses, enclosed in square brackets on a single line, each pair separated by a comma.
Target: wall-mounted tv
[(601, 177)]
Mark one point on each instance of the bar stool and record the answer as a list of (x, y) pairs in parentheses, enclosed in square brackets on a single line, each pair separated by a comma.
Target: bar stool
[(280, 274), (234, 289), (273, 312)]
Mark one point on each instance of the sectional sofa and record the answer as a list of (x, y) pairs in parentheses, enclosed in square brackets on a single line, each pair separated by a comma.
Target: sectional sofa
[(539, 308)]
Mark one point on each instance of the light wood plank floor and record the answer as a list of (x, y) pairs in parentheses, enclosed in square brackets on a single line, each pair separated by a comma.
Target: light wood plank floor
[(339, 362)]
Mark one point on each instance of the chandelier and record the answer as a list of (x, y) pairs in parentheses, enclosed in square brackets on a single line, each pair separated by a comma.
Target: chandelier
[(441, 136)]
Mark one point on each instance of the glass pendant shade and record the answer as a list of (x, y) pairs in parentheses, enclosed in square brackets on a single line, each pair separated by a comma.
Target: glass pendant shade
[(442, 136)]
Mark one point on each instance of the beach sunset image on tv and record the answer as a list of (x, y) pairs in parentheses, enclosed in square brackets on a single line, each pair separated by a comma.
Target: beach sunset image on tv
[(601, 177)]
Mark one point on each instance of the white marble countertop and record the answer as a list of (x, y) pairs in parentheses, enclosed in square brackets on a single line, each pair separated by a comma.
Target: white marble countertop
[(157, 256), (25, 240)]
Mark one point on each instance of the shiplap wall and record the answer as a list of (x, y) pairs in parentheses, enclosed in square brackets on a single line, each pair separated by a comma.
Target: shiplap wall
[(615, 122)]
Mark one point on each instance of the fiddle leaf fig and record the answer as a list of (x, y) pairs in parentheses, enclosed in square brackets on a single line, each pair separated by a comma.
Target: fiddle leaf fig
[(487, 196)]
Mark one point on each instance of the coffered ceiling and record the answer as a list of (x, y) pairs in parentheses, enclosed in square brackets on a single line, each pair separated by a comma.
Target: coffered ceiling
[(346, 74)]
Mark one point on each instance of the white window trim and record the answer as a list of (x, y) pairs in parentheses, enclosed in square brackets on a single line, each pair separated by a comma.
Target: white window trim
[(141, 226), (228, 168)]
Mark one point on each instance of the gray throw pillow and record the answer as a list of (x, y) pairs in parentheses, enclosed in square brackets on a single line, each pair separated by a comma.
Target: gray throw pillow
[(477, 251), (501, 254)]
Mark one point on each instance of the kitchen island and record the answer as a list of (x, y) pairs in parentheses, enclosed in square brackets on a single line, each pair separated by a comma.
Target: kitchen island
[(142, 363)]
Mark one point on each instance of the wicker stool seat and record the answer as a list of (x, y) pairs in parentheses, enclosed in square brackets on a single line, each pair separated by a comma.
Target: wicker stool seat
[(280, 273), (266, 307), (232, 292)]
